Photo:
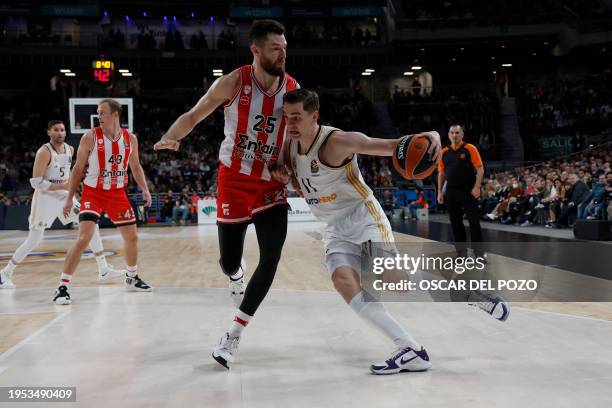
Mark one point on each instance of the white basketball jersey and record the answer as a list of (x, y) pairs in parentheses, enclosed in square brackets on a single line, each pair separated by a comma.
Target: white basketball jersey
[(330, 192), (58, 170)]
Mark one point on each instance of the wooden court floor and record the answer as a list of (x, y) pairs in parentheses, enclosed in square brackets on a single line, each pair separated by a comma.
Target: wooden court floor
[(187, 257)]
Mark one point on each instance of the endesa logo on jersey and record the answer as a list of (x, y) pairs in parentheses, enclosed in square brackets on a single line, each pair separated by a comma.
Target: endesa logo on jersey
[(322, 199)]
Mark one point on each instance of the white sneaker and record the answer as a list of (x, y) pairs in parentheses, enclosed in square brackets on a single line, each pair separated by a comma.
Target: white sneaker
[(491, 216), (109, 273), (403, 360), (237, 287), (5, 281), (495, 305), (224, 352)]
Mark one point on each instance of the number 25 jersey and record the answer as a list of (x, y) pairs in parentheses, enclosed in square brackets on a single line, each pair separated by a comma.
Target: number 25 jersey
[(254, 125)]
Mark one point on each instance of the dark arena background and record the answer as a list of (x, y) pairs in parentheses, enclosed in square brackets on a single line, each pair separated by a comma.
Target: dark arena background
[(528, 82)]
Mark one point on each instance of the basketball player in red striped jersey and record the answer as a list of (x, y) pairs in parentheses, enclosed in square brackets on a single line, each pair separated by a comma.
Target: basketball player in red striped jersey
[(107, 151), (252, 97)]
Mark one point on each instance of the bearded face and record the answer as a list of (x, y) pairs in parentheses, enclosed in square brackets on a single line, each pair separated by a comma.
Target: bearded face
[(273, 67)]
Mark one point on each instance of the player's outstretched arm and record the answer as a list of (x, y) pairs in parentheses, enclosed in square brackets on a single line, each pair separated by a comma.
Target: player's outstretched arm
[(138, 172), (343, 145), (78, 171), (220, 92)]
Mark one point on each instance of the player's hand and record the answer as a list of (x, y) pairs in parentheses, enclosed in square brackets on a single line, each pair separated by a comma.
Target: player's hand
[(440, 198), (67, 207), (146, 196), (435, 150), (168, 144), (280, 173)]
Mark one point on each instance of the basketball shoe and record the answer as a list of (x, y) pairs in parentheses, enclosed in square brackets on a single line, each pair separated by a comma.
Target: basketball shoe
[(108, 272), (402, 360), (224, 352), (495, 305), (136, 284), (237, 287), (5, 280), (62, 297)]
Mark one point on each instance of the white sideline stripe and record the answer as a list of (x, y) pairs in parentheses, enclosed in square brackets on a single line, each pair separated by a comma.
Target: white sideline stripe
[(524, 309), (25, 341)]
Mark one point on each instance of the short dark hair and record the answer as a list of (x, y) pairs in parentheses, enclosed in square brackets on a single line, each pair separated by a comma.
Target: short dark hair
[(114, 105), (309, 99), (261, 28), (457, 125), (53, 123)]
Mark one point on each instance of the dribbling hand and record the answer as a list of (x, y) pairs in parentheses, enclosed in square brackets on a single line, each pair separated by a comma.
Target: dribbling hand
[(168, 144), (435, 150)]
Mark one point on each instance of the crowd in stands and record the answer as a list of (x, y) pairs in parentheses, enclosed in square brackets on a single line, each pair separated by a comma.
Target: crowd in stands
[(414, 110), (468, 13), (555, 193), (567, 106), (317, 34)]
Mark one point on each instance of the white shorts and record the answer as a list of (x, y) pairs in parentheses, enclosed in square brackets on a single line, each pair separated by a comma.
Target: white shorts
[(345, 238), (46, 207)]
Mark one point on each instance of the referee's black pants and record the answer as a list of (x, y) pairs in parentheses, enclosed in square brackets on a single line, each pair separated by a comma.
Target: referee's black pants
[(459, 202)]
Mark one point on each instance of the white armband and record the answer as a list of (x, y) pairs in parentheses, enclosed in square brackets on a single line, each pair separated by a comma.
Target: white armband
[(39, 184)]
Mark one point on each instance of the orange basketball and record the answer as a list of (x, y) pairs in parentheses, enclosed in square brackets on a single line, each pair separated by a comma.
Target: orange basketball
[(411, 158)]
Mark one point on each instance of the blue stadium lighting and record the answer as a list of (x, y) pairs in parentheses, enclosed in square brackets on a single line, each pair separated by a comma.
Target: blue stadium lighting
[(174, 18), (144, 14), (212, 19), (192, 14), (105, 13), (165, 18), (127, 18)]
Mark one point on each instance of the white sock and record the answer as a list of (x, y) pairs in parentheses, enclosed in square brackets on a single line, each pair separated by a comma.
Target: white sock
[(101, 261), (241, 320), (132, 271), (376, 313), (65, 279), (9, 268)]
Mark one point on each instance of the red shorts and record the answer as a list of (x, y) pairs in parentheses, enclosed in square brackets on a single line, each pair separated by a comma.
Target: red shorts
[(114, 203), (240, 197)]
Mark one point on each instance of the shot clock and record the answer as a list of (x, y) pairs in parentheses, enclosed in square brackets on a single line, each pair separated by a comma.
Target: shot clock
[(103, 71)]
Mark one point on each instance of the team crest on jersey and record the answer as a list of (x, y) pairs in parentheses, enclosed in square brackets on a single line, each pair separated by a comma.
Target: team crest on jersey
[(246, 89), (100, 141), (245, 100), (314, 167)]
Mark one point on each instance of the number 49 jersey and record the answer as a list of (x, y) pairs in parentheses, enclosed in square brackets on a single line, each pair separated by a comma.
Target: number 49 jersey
[(108, 161), (254, 125)]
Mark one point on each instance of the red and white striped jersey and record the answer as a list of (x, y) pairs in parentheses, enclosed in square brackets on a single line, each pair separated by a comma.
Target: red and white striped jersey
[(254, 125), (108, 161)]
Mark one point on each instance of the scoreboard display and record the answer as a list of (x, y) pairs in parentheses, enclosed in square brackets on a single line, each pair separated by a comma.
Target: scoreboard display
[(103, 71)]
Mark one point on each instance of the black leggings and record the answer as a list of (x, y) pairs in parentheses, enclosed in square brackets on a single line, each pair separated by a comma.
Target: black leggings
[(271, 229)]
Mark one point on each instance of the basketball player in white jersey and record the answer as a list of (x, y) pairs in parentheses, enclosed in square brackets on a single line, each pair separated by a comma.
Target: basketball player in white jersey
[(322, 167), (107, 151), (252, 97), (50, 183), (323, 163)]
